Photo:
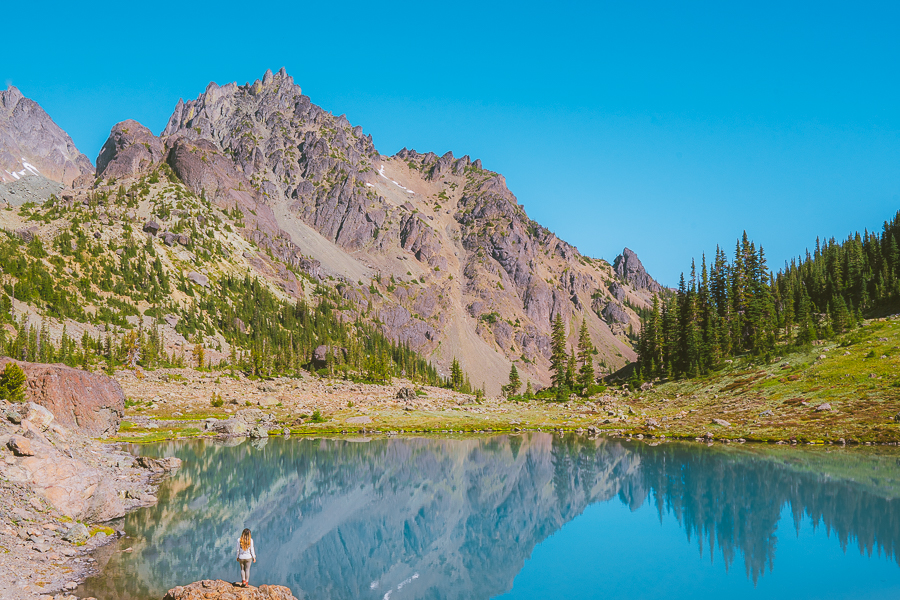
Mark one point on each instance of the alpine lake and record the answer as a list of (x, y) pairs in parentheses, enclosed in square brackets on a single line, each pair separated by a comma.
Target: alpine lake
[(526, 516)]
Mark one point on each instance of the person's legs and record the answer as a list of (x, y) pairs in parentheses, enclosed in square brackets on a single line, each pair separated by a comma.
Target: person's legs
[(245, 570)]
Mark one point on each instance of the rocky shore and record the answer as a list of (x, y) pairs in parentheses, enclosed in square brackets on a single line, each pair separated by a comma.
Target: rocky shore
[(59, 486)]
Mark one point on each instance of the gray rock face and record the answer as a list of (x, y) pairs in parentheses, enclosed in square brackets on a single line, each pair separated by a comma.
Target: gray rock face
[(130, 151), (614, 313), (269, 130), (32, 144), (628, 266)]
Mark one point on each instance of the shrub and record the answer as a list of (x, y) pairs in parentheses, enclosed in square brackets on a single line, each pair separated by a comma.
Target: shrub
[(217, 400), (317, 417), (12, 383)]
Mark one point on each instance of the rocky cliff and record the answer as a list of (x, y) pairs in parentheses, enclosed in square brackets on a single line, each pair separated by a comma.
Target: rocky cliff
[(31, 144)]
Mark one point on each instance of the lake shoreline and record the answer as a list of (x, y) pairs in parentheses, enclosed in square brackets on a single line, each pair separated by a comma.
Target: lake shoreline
[(40, 556), (178, 403)]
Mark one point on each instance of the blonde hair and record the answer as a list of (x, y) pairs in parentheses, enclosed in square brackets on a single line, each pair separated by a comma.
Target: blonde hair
[(245, 539)]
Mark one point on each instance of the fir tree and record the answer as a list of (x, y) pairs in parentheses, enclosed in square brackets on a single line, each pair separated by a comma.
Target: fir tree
[(558, 356), (512, 388), (12, 383), (586, 358)]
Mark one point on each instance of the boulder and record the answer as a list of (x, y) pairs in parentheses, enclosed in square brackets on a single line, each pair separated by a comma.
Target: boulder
[(20, 446), (216, 589), (406, 393), (721, 423), (37, 414), (13, 415), (77, 534), (198, 278), (232, 427), (252, 415), (259, 431), (89, 402)]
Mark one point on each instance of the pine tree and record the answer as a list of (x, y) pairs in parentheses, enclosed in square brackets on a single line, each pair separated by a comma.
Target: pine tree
[(558, 356), (12, 383), (586, 358), (571, 369), (456, 375), (512, 388)]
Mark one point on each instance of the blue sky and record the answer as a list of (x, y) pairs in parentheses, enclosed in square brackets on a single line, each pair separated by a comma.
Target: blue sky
[(664, 127)]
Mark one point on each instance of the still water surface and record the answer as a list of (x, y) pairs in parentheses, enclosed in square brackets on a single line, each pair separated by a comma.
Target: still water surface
[(521, 517)]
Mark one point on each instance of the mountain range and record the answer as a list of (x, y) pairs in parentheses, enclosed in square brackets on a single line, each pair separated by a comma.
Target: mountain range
[(434, 250)]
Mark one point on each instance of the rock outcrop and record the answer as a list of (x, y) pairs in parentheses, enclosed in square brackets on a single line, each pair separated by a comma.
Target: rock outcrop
[(130, 151), (91, 402), (32, 144), (43, 462), (629, 267), (216, 589)]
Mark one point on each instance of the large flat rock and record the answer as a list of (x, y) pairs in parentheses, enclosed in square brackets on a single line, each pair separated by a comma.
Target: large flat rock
[(216, 589)]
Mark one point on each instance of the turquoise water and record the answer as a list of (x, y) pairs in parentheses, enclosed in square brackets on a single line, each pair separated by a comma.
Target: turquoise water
[(518, 517)]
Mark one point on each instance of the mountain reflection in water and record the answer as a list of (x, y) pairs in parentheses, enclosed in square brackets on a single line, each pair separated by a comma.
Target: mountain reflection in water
[(458, 518)]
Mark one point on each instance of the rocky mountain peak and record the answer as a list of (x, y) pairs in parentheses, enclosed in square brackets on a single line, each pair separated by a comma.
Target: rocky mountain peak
[(629, 267), (433, 249), (31, 144), (10, 97)]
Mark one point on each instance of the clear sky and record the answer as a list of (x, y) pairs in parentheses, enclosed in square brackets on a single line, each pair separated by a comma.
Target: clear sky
[(664, 127)]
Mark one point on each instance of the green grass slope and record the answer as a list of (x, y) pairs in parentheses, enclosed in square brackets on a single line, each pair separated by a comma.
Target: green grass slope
[(843, 389)]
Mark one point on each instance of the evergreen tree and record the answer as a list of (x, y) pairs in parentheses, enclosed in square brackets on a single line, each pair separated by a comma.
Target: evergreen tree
[(512, 388), (586, 358), (456, 375), (12, 383), (558, 356), (571, 369)]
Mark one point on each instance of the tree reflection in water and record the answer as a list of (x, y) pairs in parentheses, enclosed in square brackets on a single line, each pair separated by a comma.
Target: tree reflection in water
[(456, 519)]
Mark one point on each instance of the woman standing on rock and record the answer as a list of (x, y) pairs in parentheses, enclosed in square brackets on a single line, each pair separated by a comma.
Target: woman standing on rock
[(246, 552)]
